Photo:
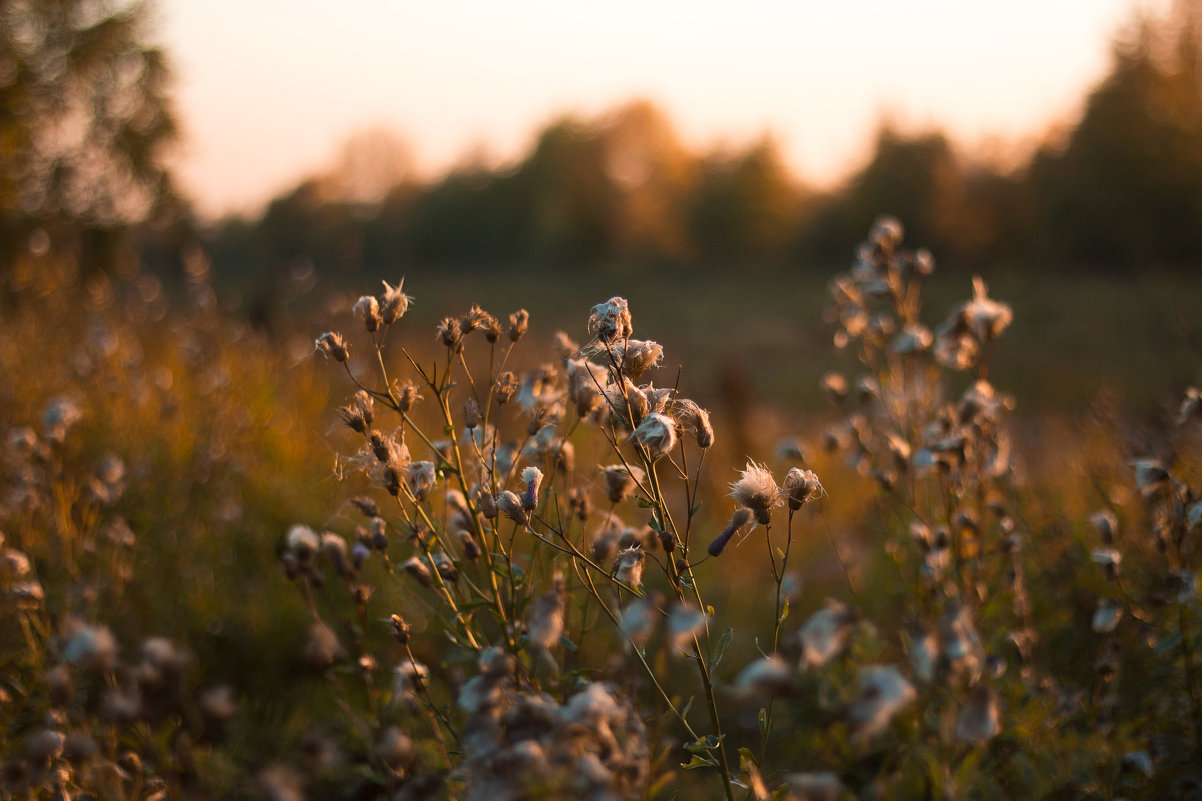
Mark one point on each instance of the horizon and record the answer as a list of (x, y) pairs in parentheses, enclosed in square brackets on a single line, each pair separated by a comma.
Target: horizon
[(268, 94)]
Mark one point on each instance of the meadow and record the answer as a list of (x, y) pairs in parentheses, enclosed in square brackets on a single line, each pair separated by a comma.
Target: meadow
[(880, 532)]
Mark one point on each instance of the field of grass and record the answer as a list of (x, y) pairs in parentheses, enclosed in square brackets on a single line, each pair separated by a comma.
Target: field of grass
[(983, 599)]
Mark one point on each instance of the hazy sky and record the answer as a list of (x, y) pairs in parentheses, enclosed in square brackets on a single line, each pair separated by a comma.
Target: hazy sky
[(269, 89)]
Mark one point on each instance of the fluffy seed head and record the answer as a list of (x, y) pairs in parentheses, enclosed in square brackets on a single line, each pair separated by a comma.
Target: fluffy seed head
[(657, 433), (519, 321), (332, 345), (393, 303), (368, 308), (630, 566), (510, 505), (532, 478), (756, 490), (620, 481), (801, 486), (610, 321)]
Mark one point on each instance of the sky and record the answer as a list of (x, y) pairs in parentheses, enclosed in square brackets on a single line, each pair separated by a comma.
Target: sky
[(269, 90)]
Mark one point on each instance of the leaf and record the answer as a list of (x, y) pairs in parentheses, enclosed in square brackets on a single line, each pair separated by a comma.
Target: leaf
[(699, 761), (727, 638), (642, 502), (784, 611), (704, 744)]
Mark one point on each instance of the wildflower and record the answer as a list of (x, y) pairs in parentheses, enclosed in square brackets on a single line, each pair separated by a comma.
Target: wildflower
[(564, 346), (914, 338), (418, 570), (532, 478), (420, 478), (767, 676), (978, 720), (400, 629), (359, 413), (1109, 559), (825, 633), (756, 490), (322, 648), (505, 388), (985, 318), (471, 549), (1106, 617), (410, 677), (657, 434), (512, 507), (545, 621), (886, 232), (477, 319), (693, 418), (638, 621), (740, 518), (629, 568), (883, 692), (368, 308), (61, 414), (445, 567), (450, 332), (519, 321), (610, 321), (331, 344), (924, 652), (580, 502), (620, 481), (684, 622), (406, 395), (801, 487), (394, 303), (93, 647), (636, 356), (471, 414), (1150, 474), (395, 748), (836, 387), (961, 643), (628, 402), (486, 503)]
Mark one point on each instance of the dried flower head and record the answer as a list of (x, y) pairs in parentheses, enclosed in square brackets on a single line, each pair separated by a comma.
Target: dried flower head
[(657, 434), (510, 505), (368, 308), (740, 518), (824, 634), (394, 303), (978, 721), (359, 413), (519, 322), (1106, 617), (532, 479), (629, 567), (610, 321), (450, 332), (801, 487), (883, 692), (332, 345), (756, 490), (544, 624), (637, 356), (692, 417), (620, 481), (420, 478), (764, 678)]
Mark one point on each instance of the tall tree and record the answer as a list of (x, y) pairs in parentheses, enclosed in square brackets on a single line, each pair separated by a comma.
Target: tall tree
[(84, 118)]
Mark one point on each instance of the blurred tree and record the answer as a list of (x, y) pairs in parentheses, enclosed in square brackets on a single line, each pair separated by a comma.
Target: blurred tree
[(1124, 188), (914, 177), (744, 206), (84, 119)]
